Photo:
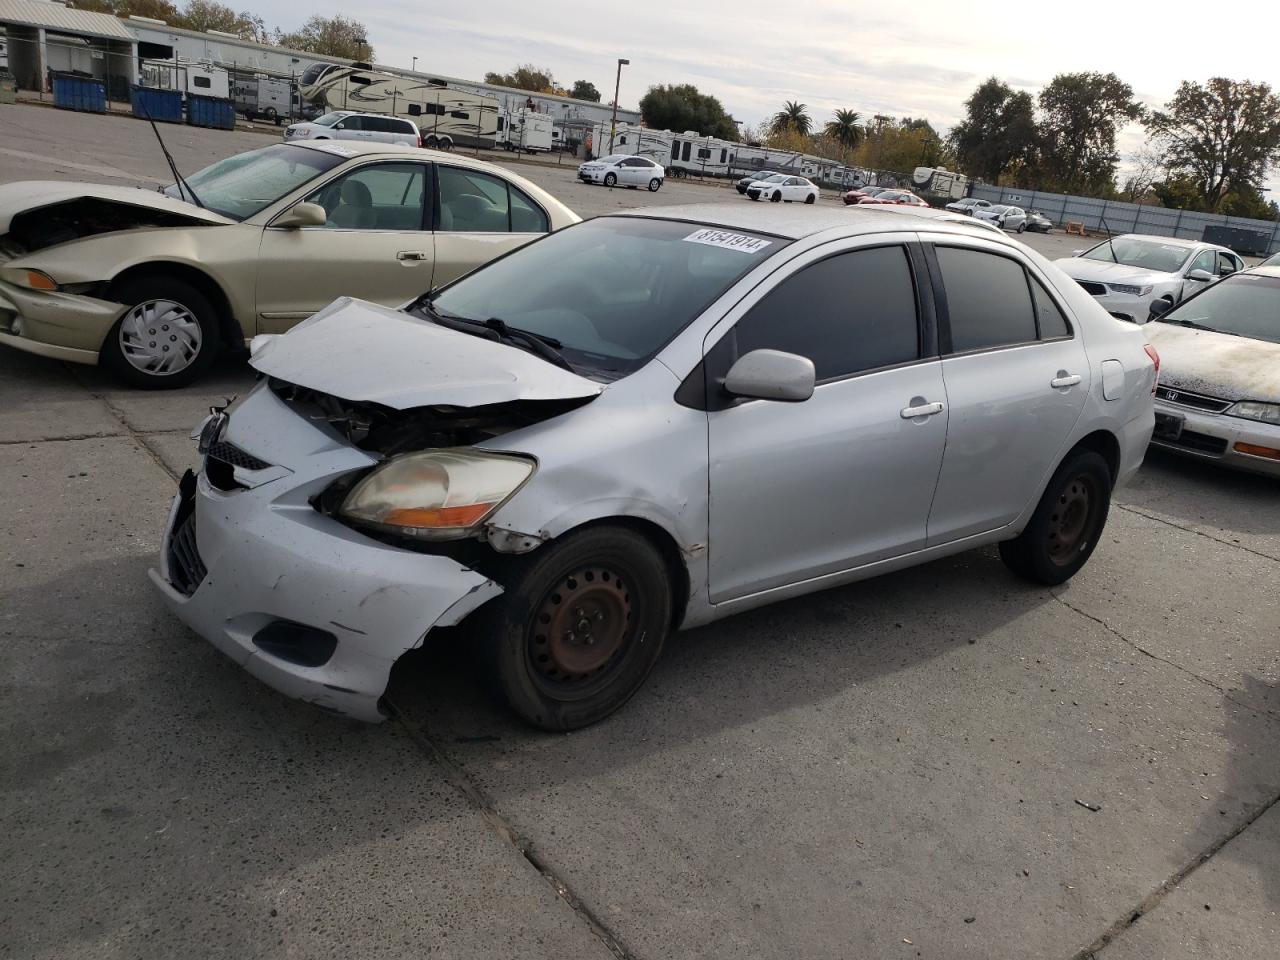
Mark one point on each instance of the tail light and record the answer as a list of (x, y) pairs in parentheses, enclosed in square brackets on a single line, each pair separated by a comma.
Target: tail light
[(1155, 358), (420, 143)]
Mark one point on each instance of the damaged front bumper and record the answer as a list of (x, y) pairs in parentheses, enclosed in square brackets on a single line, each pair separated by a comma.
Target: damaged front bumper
[(64, 326), (305, 604)]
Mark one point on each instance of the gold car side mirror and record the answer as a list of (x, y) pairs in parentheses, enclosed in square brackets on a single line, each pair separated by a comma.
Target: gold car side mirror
[(302, 215)]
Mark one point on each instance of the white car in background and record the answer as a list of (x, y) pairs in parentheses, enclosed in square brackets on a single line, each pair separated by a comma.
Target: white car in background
[(620, 170), (365, 127), (968, 206), (1004, 216), (1127, 274), (783, 186)]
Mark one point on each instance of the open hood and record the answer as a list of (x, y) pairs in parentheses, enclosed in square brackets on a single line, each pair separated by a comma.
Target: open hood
[(1078, 268), (1216, 364), (27, 195), (363, 352)]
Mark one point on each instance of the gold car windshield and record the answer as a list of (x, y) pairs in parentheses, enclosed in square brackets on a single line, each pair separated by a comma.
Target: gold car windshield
[(240, 186)]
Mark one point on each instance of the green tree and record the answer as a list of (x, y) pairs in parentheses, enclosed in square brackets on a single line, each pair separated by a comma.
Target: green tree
[(525, 77), (585, 90), (997, 132), (1222, 136), (1080, 113), (793, 116), (329, 36), (205, 15), (681, 107), (846, 129)]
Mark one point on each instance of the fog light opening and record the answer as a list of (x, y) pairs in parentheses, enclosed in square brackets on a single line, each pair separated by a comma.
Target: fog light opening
[(296, 643)]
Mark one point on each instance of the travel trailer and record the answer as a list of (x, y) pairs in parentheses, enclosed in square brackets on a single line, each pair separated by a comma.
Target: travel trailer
[(446, 115), (526, 130), (190, 76), (259, 95), (940, 183)]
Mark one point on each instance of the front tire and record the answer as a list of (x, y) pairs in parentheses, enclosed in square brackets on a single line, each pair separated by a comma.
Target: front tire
[(580, 626), (1067, 523), (655, 184), (610, 179), (167, 338), (777, 197)]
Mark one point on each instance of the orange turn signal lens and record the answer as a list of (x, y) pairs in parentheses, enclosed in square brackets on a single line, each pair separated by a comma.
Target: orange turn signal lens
[(438, 517), (1271, 453), (40, 281)]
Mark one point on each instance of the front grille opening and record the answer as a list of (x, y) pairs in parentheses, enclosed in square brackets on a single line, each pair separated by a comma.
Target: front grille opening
[(230, 453), (1199, 442), (186, 569), (296, 643)]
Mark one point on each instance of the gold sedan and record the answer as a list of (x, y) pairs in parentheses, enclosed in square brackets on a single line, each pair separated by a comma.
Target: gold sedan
[(152, 285)]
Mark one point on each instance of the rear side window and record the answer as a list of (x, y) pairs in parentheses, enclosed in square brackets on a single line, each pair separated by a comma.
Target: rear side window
[(852, 312), (988, 300), (475, 202), (1053, 324)]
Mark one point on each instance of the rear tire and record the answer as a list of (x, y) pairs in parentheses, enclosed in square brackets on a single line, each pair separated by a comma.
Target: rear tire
[(1067, 523), (1022, 227), (169, 326), (580, 626), (610, 179), (810, 198)]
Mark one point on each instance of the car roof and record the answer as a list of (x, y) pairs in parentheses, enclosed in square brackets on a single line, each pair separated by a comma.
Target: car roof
[(1272, 271), (797, 222), (362, 148)]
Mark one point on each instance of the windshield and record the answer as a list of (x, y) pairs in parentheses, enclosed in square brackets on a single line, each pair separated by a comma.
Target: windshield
[(774, 178), (240, 186), (1273, 261), (329, 119), (611, 291), (613, 158), (1146, 254), (1246, 304)]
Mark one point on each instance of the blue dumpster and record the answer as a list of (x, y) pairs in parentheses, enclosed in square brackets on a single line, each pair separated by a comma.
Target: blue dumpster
[(150, 103), (211, 112), (71, 92)]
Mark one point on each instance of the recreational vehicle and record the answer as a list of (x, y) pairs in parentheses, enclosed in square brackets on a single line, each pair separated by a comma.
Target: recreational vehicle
[(446, 115), (526, 130), (259, 95), (940, 183), (189, 76)]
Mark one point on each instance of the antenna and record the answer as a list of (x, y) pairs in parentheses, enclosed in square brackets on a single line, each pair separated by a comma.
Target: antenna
[(173, 167)]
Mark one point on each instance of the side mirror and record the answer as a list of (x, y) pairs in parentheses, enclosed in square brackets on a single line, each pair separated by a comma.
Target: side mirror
[(771, 375), (302, 215), (1200, 276), (1159, 308)]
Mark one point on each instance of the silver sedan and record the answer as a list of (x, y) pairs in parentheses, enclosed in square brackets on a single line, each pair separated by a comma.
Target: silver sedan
[(643, 423)]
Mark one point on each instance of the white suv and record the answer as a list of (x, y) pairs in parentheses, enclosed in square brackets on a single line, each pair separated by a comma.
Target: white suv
[(344, 125)]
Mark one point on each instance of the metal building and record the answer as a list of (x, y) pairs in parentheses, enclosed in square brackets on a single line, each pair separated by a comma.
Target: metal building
[(45, 38)]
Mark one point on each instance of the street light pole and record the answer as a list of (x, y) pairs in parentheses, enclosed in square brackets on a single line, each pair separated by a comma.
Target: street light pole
[(613, 121), (415, 64)]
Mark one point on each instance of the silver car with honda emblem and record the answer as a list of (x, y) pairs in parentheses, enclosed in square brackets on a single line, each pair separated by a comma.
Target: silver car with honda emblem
[(642, 423)]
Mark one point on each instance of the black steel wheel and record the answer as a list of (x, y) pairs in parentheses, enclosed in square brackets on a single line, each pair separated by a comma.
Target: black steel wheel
[(580, 626), (1067, 524)]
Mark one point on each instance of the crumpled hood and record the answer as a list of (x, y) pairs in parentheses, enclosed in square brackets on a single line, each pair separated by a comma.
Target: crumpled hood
[(363, 352), (1078, 268), (1216, 364), (24, 195)]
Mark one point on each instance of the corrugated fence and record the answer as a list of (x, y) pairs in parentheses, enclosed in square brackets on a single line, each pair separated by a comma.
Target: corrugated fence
[(1124, 217)]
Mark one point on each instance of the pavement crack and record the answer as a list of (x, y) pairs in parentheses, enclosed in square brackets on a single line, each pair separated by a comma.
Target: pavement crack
[(1167, 886), (1225, 694), (69, 437), (133, 433), (1198, 533), (460, 781)]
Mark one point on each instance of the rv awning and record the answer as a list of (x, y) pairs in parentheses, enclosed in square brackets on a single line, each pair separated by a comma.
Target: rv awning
[(63, 19)]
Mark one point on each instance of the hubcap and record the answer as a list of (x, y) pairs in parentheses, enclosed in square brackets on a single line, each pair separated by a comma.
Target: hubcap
[(160, 337), (1069, 521), (581, 626)]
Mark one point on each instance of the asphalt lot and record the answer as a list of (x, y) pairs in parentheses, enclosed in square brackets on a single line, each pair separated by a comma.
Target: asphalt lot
[(891, 769)]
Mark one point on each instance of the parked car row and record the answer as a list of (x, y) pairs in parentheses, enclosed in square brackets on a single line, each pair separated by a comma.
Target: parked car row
[(1003, 215), (882, 195)]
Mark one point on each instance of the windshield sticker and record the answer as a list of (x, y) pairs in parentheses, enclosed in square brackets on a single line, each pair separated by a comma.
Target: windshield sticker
[(730, 241)]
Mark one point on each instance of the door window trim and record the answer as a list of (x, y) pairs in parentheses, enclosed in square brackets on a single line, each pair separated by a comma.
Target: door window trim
[(943, 311)]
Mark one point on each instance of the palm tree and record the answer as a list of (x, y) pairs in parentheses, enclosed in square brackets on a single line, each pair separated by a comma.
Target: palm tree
[(792, 117), (845, 129)]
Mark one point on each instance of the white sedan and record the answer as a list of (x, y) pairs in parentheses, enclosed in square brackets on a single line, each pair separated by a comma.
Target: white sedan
[(783, 186), (619, 170), (1126, 275)]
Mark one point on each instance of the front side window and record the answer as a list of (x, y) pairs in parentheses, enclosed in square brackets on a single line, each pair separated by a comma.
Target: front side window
[(1205, 260), (385, 196), (849, 313), (240, 186), (475, 202), (636, 283), (988, 301)]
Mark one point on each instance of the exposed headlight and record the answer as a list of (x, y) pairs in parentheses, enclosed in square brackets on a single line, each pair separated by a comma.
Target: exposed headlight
[(1253, 410), (1130, 289), (437, 494)]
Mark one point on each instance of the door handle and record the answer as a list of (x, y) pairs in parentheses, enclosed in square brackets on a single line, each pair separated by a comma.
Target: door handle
[(921, 410), (416, 255), (1063, 379)]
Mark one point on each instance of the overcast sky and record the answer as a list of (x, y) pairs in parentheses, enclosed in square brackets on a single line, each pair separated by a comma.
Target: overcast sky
[(915, 58)]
